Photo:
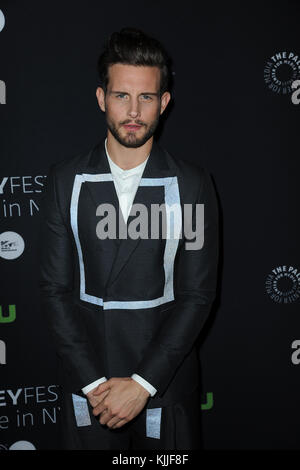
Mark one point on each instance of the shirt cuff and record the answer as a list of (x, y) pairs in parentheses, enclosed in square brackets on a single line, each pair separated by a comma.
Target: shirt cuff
[(145, 384), (93, 385)]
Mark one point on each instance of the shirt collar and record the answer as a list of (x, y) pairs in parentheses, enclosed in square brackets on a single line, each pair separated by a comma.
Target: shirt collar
[(116, 168)]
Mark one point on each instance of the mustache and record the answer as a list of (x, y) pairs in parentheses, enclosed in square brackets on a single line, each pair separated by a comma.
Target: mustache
[(140, 123)]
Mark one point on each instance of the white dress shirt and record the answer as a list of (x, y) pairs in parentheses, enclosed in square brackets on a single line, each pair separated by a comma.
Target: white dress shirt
[(126, 183)]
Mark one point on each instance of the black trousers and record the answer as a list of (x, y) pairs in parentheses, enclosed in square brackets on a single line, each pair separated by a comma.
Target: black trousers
[(177, 426)]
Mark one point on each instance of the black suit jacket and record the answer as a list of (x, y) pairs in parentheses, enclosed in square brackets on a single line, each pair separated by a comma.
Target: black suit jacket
[(114, 306)]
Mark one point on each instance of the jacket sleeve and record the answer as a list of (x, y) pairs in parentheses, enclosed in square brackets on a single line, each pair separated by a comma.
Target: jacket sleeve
[(194, 291), (56, 285)]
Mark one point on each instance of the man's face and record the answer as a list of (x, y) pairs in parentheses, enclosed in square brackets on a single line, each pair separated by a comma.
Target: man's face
[(132, 103)]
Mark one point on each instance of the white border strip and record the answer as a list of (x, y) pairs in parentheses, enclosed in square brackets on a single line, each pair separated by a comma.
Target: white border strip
[(171, 197)]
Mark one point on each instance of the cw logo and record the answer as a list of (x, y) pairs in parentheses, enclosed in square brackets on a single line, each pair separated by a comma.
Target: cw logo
[(11, 314), (209, 402)]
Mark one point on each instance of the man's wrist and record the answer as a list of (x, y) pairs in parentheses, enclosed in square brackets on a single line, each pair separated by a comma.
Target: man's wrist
[(93, 385), (146, 385), (142, 390)]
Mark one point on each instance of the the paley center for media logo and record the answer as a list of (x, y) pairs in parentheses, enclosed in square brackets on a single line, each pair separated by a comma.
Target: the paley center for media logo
[(281, 70), (283, 284)]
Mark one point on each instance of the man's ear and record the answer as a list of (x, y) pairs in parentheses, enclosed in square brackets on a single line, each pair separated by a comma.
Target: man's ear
[(101, 98), (164, 100)]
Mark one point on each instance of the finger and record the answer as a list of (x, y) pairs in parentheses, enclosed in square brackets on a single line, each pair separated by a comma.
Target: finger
[(119, 424), (112, 422), (102, 388), (101, 398), (93, 402), (105, 417), (98, 409)]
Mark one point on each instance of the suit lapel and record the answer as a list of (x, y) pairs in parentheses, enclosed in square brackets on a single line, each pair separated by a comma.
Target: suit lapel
[(156, 167), (98, 164)]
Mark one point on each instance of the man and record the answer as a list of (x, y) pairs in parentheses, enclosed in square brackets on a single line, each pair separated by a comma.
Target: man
[(126, 310)]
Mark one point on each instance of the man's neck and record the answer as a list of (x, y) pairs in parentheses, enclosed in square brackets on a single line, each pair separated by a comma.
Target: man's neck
[(125, 157)]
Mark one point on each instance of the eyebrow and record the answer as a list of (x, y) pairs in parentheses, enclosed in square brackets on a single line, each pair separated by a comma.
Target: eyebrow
[(144, 93)]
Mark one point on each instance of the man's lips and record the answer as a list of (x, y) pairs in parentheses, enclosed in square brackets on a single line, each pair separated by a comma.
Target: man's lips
[(132, 127)]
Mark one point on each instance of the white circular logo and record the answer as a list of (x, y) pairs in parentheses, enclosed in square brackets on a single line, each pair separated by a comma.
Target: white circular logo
[(22, 445), (2, 20), (281, 70), (11, 245), (283, 284)]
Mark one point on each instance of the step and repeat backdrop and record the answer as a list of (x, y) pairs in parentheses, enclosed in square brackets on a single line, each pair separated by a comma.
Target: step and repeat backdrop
[(236, 111)]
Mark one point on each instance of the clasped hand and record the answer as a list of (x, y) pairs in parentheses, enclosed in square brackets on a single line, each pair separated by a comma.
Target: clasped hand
[(117, 401)]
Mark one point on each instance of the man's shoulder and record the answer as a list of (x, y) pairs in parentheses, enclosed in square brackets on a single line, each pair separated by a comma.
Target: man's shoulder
[(188, 171), (72, 164)]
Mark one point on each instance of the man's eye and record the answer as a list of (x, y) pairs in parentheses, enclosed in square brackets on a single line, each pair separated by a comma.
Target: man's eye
[(121, 95), (146, 97)]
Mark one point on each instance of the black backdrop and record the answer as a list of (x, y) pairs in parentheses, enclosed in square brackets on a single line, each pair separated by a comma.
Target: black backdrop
[(233, 111)]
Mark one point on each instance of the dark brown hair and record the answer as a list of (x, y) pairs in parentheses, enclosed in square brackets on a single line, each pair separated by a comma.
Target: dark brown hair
[(132, 46)]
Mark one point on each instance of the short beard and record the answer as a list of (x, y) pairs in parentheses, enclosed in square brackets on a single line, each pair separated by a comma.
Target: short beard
[(136, 142)]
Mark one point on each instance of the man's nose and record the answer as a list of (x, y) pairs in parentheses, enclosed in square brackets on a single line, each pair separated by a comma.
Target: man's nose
[(134, 108)]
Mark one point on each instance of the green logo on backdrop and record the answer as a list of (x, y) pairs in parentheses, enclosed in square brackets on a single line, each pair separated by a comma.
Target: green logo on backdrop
[(209, 402), (11, 314)]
